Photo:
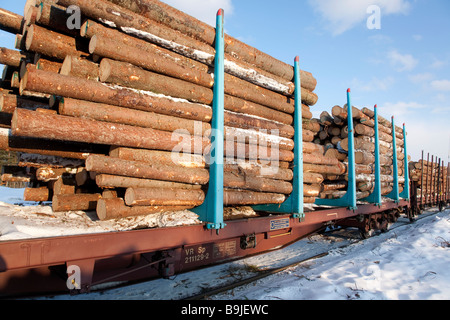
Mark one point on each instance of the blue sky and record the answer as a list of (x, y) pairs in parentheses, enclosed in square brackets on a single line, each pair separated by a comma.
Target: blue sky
[(403, 67)]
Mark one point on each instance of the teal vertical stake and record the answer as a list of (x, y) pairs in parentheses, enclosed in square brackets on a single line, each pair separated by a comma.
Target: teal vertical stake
[(405, 193), (394, 193), (375, 197), (211, 211), (294, 203), (349, 199)]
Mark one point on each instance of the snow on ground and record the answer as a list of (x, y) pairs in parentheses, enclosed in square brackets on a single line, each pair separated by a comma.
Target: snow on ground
[(408, 263)]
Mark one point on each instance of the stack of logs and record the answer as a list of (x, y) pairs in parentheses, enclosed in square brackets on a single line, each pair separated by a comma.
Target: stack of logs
[(431, 179), (333, 137), (95, 110)]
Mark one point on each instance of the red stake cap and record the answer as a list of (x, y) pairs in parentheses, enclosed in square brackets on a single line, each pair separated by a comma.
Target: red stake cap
[(297, 59), (220, 12), (348, 90)]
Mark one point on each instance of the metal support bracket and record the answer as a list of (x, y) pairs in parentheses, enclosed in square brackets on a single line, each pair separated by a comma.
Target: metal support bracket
[(394, 194), (375, 196), (211, 211), (294, 203), (349, 199), (405, 193)]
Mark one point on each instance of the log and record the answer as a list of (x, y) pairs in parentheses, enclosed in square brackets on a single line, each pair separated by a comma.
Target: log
[(243, 198), (319, 159), (247, 169), (108, 209), (114, 181), (177, 20), (11, 22), (254, 183), (153, 156), (338, 170), (163, 197), (114, 114), (48, 174), (34, 124), (80, 67), (55, 17), (143, 170), (47, 147), (64, 185), (53, 44), (10, 57), (9, 103), (38, 160), (48, 65), (37, 194), (75, 202), (312, 178)]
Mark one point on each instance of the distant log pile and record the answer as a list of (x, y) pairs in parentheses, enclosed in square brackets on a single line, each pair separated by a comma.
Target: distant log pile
[(431, 178), (93, 110), (333, 139)]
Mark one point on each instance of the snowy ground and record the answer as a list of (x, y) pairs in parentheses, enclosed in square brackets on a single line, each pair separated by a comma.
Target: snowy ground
[(408, 263)]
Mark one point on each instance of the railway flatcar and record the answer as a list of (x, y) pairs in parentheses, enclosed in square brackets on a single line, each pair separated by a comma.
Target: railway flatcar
[(122, 119)]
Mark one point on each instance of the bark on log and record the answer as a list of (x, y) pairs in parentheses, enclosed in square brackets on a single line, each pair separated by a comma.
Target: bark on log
[(48, 65), (80, 67), (47, 174), (53, 44), (243, 198), (10, 57), (34, 124), (260, 171), (256, 184), (55, 17), (163, 197), (75, 202), (37, 194), (186, 24), (113, 181), (9, 103), (153, 156), (64, 185), (136, 169), (114, 114), (108, 209), (11, 22), (47, 147)]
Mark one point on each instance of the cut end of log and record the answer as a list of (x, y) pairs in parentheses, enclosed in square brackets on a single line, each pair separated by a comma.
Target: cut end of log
[(66, 66), (104, 70), (93, 44), (29, 39)]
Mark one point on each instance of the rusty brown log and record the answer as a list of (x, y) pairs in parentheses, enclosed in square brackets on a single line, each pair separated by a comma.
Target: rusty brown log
[(312, 178), (75, 202), (89, 90), (310, 147), (234, 67), (114, 181), (64, 185), (53, 44), (108, 209), (114, 114), (9, 177), (37, 194), (127, 19), (11, 22), (329, 186), (178, 85), (360, 143), (317, 168), (30, 16), (47, 147), (9, 103), (252, 151), (38, 160), (243, 198), (319, 159), (80, 67), (175, 19), (35, 124), (19, 42), (11, 57), (153, 156), (259, 137), (259, 171), (254, 183), (49, 174), (363, 157), (55, 17), (143, 170), (48, 65), (163, 197), (128, 74)]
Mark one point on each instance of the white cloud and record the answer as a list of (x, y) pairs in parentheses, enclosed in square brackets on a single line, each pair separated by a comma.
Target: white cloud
[(374, 84), (421, 77), (441, 85), (203, 10), (402, 108), (342, 15), (417, 37), (402, 62)]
